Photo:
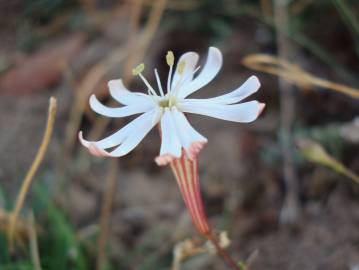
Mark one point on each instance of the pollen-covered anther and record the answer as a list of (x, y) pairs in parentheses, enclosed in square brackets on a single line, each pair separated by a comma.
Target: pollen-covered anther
[(170, 58), (194, 149), (137, 70), (164, 160)]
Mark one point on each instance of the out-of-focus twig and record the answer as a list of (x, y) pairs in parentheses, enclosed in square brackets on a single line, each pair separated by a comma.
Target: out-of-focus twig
[(136, 10), (84, 90), (309, 44), (315, 153), (30, 174), (290, 207), (105, 214), (21, 230), (299, 6), (180, 5), (294, 74), (349, 18), (34, 248), (266, 6), (139, 52)]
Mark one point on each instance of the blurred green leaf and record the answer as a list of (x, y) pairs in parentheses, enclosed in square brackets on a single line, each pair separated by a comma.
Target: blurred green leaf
[(58, 245)]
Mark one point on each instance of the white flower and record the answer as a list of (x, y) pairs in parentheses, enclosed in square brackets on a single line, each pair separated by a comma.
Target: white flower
[(167, 108)]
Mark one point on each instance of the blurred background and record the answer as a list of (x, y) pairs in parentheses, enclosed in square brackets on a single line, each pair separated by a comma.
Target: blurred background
[(285, 187)]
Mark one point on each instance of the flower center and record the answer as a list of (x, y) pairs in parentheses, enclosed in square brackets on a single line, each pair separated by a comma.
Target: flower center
[(167, 102), (164, 103)]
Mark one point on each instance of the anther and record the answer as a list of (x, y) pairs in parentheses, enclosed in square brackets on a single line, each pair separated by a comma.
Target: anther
[(170, 58), (137, 70)]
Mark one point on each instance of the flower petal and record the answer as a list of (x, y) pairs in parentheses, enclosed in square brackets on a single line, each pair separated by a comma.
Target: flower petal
[(140, 107), (190, 59), (127, 138), (187, 134), (244, 112), (117, 88), (119, 136), (171, 144), (249, 87), (120, 93), (210, 70)]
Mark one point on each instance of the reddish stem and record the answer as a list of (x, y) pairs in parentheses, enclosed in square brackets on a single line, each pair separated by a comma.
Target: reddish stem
[(186, 173), (223, 253)]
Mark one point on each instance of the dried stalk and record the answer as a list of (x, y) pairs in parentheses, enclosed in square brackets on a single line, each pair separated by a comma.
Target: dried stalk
[(290, 207), (294, 74), (105, 214), (30, 174), (315, 153)]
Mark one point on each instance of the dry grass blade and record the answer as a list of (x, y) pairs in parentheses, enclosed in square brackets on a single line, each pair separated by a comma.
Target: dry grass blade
[(34, 248), (30, 174), (315, 153), (21, 230), (294, 74), (290, 209), (105, 214)]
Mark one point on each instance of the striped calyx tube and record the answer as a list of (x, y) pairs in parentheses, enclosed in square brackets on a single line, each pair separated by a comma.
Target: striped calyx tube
[(186, 173)]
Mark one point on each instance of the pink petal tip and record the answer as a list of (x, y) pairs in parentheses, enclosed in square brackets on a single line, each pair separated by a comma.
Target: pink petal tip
[(261, 108), (165, 159), (93, 149), (194, 149)]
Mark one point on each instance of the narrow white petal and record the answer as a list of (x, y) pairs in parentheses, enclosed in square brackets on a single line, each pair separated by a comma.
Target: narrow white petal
[(249, 87), (170, 144), (187, 134), (190, 59), (127, 138), (244, 112), (120, 93), (119, 136), (117, 88), (134, 139), (98, 107), (209, 71)]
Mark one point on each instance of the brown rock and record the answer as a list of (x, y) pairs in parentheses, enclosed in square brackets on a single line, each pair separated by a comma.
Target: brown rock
[(40, 70)]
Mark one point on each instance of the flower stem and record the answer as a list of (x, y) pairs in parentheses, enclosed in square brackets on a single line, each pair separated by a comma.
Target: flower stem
[(186, 174), (229, 261)]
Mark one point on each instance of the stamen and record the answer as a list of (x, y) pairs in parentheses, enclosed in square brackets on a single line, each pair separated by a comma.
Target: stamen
[(150, 88), (169, 79), (137, 70), (159, 83), (170, 58)]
